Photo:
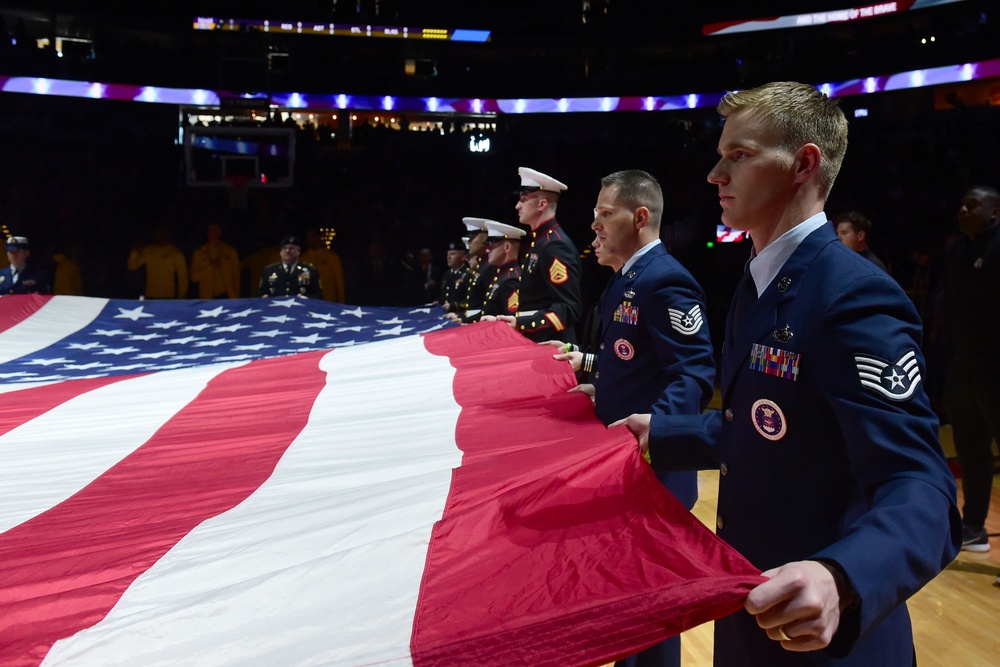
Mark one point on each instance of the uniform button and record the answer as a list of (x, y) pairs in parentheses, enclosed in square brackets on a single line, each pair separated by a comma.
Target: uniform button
[(597, 375), (729, 414), (720, 523), (723, 469), (602, 346)]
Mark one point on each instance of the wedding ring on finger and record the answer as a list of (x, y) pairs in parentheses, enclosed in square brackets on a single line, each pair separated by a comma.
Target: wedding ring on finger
[(784, 636)]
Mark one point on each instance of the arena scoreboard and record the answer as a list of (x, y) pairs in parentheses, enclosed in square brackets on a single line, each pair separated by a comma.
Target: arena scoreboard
[(340, 29)]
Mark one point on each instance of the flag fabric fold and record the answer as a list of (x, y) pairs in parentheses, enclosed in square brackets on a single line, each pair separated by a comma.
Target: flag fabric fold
[(260, 482)]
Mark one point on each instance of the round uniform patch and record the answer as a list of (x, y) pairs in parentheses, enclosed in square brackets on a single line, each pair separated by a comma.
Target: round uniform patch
[(768, 419), (624, 349)]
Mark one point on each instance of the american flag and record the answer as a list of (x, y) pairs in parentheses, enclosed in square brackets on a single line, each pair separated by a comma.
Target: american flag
[(65, 338), (176, 490)]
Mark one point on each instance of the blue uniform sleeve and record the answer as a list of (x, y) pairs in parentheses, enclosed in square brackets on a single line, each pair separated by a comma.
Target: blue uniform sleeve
[(906, 526), (685, 442), (680, 336)]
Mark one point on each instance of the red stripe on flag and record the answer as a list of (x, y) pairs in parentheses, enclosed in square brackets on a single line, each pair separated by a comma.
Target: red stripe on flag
[(558, 545), (15, 308), (24, 405), (65, 569)]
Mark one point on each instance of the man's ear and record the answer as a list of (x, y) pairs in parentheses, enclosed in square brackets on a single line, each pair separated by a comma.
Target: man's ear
[(807, 161), (640, 218)]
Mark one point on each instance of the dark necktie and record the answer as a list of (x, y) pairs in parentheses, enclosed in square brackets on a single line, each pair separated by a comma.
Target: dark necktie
[(13, 275), (746, 295)]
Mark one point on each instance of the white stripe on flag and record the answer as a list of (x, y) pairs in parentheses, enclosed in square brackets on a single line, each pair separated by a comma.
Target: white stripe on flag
[(323, 563), (38, 471), (62, 316)]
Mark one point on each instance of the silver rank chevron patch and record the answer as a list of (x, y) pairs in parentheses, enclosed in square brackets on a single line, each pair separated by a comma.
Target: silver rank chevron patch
[(686, 323), (895, 380)]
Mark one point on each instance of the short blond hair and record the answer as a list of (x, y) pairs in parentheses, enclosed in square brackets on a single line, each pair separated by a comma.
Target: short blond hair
[(800, 114)]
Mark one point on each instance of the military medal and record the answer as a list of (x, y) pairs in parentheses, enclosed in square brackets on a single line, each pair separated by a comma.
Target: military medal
[(627, 313), (775, 361), (630, 293)]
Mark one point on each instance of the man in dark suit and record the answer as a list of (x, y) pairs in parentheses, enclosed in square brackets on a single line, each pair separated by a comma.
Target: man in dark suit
[(972, 389), (655, 353), (22, 277), (832, 480), (290, 277)]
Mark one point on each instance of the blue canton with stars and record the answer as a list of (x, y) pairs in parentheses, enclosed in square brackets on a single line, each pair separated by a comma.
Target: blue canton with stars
[(130, 337)]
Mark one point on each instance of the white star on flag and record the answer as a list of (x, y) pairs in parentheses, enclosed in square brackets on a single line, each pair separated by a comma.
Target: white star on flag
[(395, 331), (144, 336), (288, 303), (47, 362), (269, 334), (312, 340), (215, 312), (133, 314), (231, 328), (242, 313), (85, 367), (164, 325), (117, 351), (83, 346)]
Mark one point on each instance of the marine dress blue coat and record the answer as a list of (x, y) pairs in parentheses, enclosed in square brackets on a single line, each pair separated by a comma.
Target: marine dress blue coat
[(828, 450)]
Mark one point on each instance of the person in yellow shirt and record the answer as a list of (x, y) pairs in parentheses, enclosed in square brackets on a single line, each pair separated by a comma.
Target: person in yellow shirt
[(215, 266), (67, 277), (327, 262), (166, 267)]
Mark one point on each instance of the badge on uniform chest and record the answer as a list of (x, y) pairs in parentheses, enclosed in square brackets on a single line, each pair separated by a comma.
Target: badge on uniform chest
[(532, 262), (624, 349), (768, 419), (626, 313)]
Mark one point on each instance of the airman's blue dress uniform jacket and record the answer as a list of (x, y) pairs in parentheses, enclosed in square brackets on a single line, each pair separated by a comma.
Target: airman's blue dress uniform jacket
[(828, 450), (656, 353)]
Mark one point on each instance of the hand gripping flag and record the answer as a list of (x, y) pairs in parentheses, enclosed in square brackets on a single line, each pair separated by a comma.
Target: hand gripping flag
[(305, 483)]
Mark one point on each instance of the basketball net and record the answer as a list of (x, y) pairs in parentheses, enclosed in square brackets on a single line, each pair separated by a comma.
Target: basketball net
[(236, 189)]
